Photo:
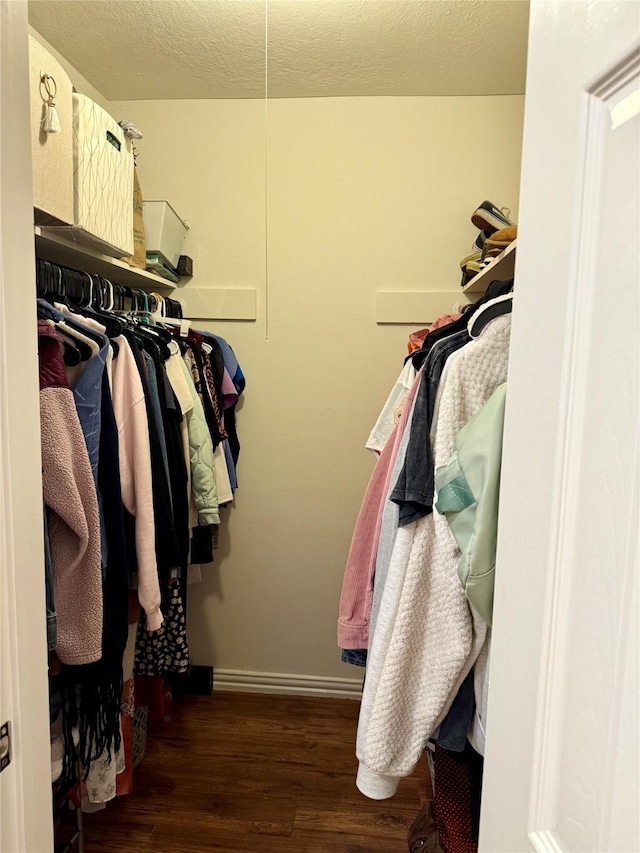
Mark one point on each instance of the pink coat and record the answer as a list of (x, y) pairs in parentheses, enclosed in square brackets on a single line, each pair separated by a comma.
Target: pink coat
[(74, 524)]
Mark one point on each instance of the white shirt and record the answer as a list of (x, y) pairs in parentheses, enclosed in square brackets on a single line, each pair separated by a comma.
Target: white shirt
[(392, 410)]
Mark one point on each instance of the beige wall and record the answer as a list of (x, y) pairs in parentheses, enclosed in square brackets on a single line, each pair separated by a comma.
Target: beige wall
[(364, 194), (81, 83)]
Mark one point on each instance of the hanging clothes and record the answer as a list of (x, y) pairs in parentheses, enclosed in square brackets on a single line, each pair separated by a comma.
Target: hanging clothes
[(406, 695), (358, 585), (405, 607), (90, 690), (72, 510), (377, 523), (130, 480), (419, 613), (234, 371), (468, 496), (392, 410)]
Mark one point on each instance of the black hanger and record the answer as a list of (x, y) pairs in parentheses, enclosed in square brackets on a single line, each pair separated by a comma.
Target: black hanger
[(64, 288), (74, 289), (81, 292), (118, 297), (49, 281), (84, 350), (113, 325), (162, 332), (41, 279), (482, 318), (495, 289), (71, 355), (173, 308), (130, 295), (149, 337)]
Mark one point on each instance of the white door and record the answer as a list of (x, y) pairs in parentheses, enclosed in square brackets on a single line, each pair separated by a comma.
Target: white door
[(25, 790), (562, 760)]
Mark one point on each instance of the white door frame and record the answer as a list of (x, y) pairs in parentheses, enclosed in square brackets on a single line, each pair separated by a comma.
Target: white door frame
[(563, 607), (25, 789)]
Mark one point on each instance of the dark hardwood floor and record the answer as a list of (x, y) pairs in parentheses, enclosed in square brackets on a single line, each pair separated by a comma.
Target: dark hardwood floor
[(247, 772)]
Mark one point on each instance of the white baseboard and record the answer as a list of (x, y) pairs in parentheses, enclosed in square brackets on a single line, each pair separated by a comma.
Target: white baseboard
[(243, 681)]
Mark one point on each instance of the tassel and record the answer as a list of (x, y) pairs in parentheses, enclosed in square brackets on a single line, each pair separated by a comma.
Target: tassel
[(51, 123), (51, 120)]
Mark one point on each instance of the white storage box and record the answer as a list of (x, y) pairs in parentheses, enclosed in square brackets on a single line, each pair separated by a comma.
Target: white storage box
[(103, 179), (164, 231), (51, 153)]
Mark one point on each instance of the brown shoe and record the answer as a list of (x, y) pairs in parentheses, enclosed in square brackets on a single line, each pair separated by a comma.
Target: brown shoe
[(423, 834), (501, 239)]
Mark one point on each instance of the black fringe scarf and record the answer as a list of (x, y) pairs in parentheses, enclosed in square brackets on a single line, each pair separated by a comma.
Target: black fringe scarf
[(91, 695)]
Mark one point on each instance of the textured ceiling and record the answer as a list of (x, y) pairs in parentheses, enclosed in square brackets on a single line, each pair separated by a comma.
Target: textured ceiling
[(163, 49)]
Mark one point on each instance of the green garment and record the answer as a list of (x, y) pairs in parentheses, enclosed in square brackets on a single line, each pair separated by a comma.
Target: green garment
[(469, 493)]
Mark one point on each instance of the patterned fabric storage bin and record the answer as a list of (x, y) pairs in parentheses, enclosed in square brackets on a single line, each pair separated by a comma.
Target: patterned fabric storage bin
[(139, 727), (102, 180), (51, 153)]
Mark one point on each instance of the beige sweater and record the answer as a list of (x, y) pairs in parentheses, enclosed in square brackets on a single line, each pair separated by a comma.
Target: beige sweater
[(427, 637)]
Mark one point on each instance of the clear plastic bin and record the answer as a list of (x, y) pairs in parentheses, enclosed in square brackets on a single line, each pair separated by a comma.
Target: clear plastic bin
[(164, 231)]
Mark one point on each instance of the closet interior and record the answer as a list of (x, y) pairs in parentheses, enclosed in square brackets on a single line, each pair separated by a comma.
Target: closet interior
[(322, 197)]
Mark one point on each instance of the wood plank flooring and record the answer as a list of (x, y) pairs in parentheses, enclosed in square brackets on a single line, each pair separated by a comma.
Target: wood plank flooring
[(247, 772)]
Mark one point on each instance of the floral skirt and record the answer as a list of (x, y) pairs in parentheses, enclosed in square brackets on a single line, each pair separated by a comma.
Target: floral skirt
[(165, 650)]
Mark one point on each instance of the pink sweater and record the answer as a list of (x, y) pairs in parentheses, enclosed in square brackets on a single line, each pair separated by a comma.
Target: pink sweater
[(357, 585), (135, 475), (74, 523)]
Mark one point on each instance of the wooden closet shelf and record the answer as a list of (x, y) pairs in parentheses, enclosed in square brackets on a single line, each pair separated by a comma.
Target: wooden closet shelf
[(60, 248), (500, 270)]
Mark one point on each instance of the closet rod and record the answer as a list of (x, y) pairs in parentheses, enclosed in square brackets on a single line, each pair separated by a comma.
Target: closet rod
[(55, 245), (85, 289)]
